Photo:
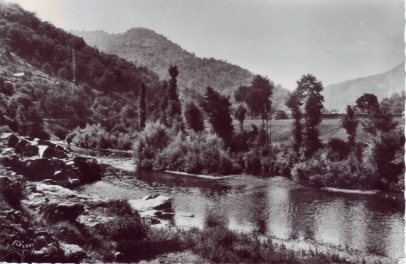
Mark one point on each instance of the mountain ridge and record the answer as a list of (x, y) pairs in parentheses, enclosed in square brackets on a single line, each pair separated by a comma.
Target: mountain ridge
[(338, 96), (147, 48)]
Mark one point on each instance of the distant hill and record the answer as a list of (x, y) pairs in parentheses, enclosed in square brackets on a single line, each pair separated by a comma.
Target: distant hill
[(146, 48), (338, 96)]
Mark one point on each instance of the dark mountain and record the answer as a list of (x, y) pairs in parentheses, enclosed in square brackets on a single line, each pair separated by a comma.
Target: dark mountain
[(338, 96)]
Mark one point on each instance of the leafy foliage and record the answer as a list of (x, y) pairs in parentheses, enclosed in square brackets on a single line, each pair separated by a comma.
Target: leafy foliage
[(350, 124), (239, 114), (197, 153), (217, 108), (193, 117), (96, 136), (149, 143), (257, 96), (306, 135), (395, 104)]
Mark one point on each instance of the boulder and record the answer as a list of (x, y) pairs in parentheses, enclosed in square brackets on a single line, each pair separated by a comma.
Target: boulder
[(12, 139), (37, 168), (93, 220), (47, 248), (159, 203), (7, 151), (55, 190), (49, 152), (49, 182), (60, 148), (26, 148), (63, 211), (48, 143), (5, 136), (72, 253), (73, 182), (90, 170)]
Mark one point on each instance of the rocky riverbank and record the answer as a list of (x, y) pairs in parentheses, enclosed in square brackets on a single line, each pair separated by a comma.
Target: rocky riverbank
[(43, 215)]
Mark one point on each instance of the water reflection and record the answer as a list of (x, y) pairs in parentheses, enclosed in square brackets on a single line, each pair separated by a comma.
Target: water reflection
[(276, 206)]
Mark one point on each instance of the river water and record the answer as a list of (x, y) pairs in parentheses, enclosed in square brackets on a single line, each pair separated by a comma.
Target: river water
[(370, 223)]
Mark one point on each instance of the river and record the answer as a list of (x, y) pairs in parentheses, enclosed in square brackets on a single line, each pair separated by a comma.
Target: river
[(368, 223)]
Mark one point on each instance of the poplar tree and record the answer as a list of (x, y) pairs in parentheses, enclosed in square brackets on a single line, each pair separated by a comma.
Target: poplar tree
[(142, 111), (217, 107)]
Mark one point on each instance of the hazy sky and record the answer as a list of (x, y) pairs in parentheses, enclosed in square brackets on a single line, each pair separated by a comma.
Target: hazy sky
[(335, 40)]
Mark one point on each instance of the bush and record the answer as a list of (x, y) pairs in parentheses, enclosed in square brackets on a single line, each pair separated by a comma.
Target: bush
[(128, 227), (338, 149), (120, 207), (150, 142), (68, 233), (319, 171), (96, 136), (284, 158), (197, 153)]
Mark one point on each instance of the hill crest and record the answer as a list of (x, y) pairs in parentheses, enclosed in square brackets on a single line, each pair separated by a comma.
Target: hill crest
[(338, 96)]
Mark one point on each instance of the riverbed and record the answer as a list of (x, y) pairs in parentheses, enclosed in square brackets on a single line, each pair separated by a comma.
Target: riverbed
[(363, 223)]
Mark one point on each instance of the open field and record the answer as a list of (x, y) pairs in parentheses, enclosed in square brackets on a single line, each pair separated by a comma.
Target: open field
[(281, 130)]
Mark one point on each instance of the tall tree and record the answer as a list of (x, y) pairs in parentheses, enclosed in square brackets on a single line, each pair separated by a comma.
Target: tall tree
[(306, 134), (350, 124), (193, 117), (377, 119), (173, 111), (294, 103), (239, 114), (142, 111), (163, 105), (368, 103), (217, 107)]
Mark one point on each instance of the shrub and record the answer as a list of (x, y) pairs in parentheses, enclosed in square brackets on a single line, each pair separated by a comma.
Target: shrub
[(68, 233), (338, 149), (150, 142), (284, 158), (120, 207), (128, 227), (197, 153), (60, 131), (319, 171), (97, 136)]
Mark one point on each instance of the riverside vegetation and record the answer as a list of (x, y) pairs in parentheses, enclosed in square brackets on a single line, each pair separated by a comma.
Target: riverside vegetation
[(115, 104)]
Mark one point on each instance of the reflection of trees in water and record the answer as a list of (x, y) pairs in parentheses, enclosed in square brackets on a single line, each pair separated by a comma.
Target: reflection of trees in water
[(385, 225), (371, 223), (208, 187)]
